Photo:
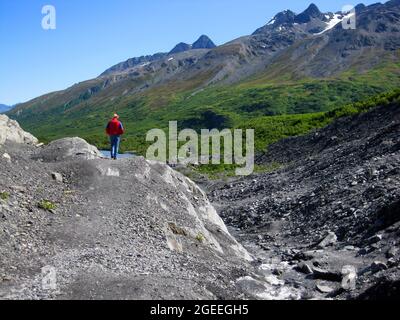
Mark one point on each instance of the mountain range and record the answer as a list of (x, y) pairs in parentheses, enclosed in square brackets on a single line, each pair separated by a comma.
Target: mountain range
[(4, 108), (294, 64), (204, 42)]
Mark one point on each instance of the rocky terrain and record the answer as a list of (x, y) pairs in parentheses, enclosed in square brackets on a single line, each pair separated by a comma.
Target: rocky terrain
[(12, 132), (329, 220), (324, 226), (128, 229), (75, 225), (204, 42), (314, 42)]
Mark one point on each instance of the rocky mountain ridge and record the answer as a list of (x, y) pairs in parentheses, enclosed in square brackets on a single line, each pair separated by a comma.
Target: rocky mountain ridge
[(204, 42)]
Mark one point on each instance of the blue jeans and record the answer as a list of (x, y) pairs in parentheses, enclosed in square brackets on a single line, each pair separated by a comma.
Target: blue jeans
[(115, 140)]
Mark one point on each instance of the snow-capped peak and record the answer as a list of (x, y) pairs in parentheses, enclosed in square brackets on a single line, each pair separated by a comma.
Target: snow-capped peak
[(333, 22)]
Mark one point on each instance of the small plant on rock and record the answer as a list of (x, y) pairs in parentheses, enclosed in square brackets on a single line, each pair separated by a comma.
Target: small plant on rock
[(47, 205), (200, 237), (4, 196)]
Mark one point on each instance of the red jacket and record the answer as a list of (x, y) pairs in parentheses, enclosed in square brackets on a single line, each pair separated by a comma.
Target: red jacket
[(115, 128)]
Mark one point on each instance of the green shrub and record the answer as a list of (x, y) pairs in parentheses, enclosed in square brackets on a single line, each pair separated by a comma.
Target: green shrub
[(4, 196), (47, 205), (200, 237)]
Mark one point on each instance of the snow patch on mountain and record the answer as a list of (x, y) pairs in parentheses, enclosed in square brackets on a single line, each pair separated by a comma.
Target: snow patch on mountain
[(337, 18)]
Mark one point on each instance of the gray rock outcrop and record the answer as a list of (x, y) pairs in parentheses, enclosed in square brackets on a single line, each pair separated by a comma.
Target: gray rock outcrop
[(68, 149), (10, 131), (127, 229)]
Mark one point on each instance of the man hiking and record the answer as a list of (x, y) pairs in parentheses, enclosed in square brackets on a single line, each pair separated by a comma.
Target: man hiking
[(115, 129)]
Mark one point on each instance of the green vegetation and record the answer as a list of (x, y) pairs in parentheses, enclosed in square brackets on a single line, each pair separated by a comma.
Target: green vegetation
[(275, 107), (47, 205), (4, 196), (200, 237), (224, 171), (272, 129)]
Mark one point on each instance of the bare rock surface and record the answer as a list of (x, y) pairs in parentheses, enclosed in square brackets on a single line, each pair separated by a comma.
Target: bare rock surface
[(10, 131), (68, 149), (127, 229), (331, 212)]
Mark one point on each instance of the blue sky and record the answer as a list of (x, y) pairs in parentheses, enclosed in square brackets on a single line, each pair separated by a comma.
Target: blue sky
[(93, 35)]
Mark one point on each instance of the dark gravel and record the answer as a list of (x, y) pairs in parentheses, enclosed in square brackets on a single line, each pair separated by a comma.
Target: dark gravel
[(342, 180)]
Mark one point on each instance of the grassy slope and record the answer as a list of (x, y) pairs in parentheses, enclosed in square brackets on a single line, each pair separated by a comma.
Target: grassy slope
[(272, 129), (275, 108)]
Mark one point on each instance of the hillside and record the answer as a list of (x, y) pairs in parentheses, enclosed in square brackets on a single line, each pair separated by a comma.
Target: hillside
[(295, 64), (334, 203), (271, 129)]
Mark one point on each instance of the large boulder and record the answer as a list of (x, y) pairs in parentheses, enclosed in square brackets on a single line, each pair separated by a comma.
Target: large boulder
[(68, 149), (10, 131)]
